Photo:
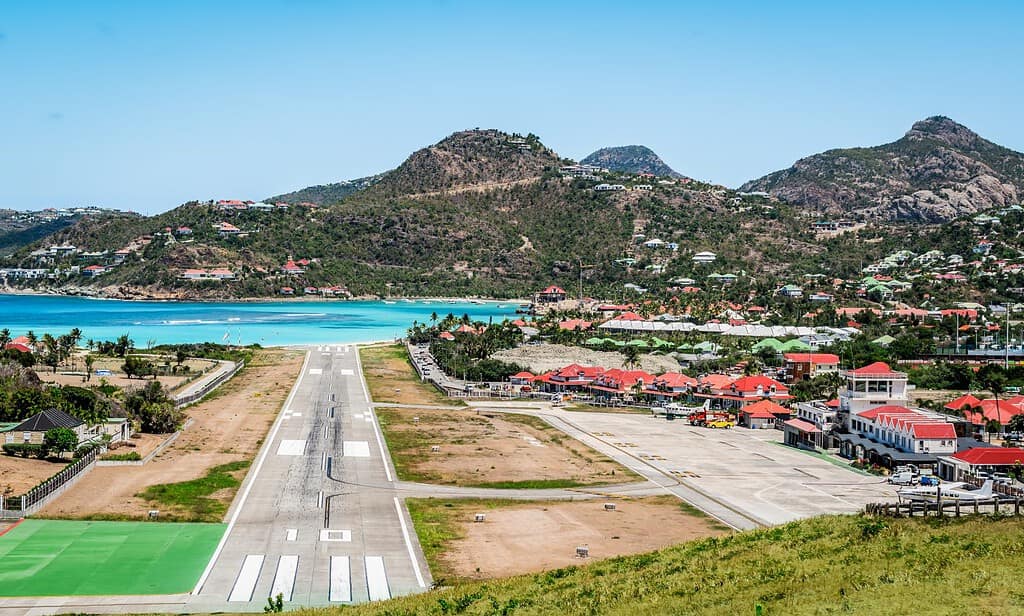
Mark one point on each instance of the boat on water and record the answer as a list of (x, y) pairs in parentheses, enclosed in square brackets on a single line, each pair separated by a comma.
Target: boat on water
[(387, 301)]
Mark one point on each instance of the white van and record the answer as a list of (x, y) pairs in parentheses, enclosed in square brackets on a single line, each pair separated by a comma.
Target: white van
[(903, 478)]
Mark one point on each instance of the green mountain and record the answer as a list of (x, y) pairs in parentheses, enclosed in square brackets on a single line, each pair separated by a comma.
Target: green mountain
[(325, 194), (631, 159), (481, 212), (938, 171)]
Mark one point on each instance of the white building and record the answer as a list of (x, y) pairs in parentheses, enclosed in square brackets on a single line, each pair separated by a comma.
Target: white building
[(704, 257)]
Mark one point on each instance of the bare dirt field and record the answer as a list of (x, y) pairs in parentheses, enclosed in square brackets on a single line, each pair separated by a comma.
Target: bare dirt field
[(391, 378), (170, 383), (229, 426), (530, 537), (22, 474), (142, 444), (543, 357), (491, 449)]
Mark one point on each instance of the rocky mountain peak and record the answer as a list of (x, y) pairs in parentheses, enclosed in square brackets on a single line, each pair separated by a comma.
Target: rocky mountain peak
[(943, 129), (631, 159)]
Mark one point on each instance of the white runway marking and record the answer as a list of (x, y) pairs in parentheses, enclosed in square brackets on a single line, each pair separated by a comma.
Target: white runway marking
[(291, 534), (284, 578), (327, 534), (341, 579), (320, 499), (377, 579), (355, 449), (291, 448), (408, 545), (347, 372), (296, 414), (316, 371), (245, 583)]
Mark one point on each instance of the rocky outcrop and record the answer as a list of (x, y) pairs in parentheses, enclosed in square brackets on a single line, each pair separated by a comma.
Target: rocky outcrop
[(938, 171), (631, 159)]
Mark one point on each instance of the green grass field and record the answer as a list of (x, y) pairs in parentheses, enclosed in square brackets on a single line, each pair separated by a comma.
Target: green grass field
[(63, 557)]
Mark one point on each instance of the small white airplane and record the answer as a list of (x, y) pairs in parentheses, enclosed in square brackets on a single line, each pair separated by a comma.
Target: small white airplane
[(982, 493), (928, 493)]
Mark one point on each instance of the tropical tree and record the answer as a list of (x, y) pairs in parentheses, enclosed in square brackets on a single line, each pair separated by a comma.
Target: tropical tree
[(5, 337), (60, 440), (993, 378), (631, 352), (90, 359)]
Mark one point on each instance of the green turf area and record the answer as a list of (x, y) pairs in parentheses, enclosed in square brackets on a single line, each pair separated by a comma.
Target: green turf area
[(58, 557)]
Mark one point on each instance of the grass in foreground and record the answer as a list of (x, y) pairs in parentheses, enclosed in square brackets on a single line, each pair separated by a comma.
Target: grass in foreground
[(826, 565), (391, 378), (54, 558), (192, 501)]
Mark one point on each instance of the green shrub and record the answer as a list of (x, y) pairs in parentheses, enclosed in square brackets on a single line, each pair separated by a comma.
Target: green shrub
[(131, 456), (25, 450)]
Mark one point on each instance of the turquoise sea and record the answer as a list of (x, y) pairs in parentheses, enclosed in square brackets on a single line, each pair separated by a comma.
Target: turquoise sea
[(265, 323)]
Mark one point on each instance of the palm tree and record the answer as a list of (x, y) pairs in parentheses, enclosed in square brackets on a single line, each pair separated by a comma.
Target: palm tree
[(32, 339), (5, 337), (993, 378), (89, 361)]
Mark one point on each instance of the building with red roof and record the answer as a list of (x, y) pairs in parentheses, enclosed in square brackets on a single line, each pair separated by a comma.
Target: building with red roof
[(573, 377), (575, 324), (800, 366), (964, 401), (968, 464), (620, 384), (550, 295), (992, 410), (521, 378), (762, 415)]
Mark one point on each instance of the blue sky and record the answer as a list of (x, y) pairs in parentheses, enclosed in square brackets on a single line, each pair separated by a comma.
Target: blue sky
[(144, 105)]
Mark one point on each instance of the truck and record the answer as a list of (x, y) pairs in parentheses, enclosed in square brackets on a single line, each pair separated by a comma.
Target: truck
[(704, 417)]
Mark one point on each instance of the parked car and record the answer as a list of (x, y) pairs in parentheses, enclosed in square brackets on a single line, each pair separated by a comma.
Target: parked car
[(720, 423), (904, 478)]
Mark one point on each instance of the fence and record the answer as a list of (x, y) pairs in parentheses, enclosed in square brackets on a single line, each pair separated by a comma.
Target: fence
[(952, 507), (183, 401), (37, 497)]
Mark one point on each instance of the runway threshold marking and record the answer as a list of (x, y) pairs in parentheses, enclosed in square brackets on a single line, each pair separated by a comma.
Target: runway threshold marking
[(291, 534), (355, 449), (320, 499), (291, 448), (316, 370), (245, 583), (347, 372), (377, 579), (284, 577), (341, 579)]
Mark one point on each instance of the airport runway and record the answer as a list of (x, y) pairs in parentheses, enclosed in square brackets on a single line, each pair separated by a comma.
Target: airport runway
[(318, 518)]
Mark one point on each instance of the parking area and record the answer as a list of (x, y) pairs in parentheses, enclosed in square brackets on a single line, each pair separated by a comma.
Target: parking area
[(746, 470)]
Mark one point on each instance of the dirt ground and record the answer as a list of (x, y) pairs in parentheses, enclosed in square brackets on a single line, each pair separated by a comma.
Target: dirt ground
[(543, 357), (142, 444), (485, 448), (170, 383), (228, 426), (391, 378), (540, 536), (22, 474)]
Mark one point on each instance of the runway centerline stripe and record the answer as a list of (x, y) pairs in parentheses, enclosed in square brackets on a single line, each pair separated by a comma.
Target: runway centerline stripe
[(341, 579), (245, 583), (377, 579), (284, 577)]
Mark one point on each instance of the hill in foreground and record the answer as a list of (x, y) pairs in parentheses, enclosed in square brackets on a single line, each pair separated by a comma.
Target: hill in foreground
[(826, 565), (631, 159), (939, 170)]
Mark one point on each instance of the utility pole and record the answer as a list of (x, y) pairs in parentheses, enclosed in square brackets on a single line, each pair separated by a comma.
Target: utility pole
[(1006, 339)]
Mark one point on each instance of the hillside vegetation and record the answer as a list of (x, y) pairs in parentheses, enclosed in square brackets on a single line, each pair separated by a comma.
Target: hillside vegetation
[(827, 565), (938, 171)]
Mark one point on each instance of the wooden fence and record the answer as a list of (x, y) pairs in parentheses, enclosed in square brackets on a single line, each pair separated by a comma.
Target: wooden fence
[(949, 508)]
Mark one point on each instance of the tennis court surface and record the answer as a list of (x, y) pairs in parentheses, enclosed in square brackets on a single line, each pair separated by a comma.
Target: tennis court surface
[(57, 557)]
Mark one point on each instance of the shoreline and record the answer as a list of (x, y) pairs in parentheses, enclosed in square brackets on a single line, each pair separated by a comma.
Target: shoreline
[(263, 300)]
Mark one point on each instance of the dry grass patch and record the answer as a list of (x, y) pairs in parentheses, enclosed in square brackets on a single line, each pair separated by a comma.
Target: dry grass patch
[(391, 378), (496, 450), (519, 537)]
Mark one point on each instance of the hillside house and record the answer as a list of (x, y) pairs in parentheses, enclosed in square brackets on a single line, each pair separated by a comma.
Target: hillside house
[(550, 295), (790, 290), (225, 229), (94, 270), (291, 268), (182, 231), (193, 274), (704, 257), (222, 274), (801, 366), (609, 187)]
